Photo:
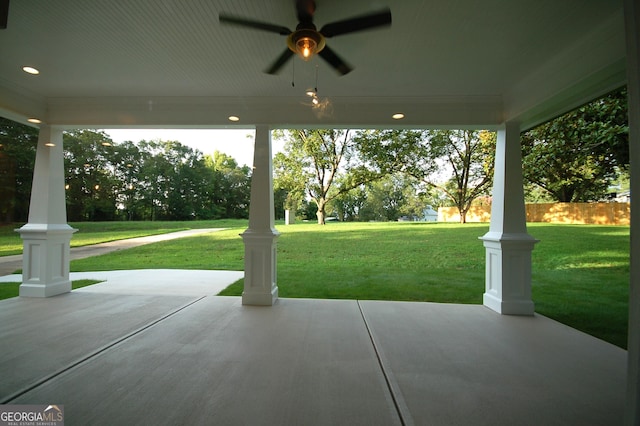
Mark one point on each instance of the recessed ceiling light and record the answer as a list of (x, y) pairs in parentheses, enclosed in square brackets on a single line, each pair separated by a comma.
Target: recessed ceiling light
[(49, 144), (105, 143), (34, 120), (234, 118), (30, 70), (398, 116)]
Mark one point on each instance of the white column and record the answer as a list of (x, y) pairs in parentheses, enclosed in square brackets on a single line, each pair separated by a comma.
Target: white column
[(46, 237), (260, 238), (632, 29), (507, 244)]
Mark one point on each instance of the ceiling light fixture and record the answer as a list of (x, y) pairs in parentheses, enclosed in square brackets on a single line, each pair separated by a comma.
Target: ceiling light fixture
[(398, 116), (49, 144), (306, 42), (30, 70), (34, 120), (105, 143), (234, 118)]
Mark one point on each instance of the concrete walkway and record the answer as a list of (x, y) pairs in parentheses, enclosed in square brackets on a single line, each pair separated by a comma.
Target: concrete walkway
[(9, 264), (166, 282)]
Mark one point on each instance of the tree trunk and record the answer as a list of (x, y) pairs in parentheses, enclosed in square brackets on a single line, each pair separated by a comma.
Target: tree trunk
[(463, 216), (321, 212)]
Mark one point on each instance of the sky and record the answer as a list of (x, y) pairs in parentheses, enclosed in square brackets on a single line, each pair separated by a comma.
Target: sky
[(238, 143)]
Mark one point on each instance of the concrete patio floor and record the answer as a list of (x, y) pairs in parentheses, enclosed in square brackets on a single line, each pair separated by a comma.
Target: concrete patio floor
[(115, 355)]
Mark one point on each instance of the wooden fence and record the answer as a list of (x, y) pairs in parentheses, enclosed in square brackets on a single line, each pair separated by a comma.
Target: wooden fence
[(570, 213)]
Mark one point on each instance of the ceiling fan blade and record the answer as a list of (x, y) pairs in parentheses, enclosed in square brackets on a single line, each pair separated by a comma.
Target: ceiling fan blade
[(282, 59), (305, 9), (335, 61), (4, 13), (359, 23), (250, 23)]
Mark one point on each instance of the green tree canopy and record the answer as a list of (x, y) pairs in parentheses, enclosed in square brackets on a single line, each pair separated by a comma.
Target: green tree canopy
[(17, 158), (231, 186), (313, 160), (576, 156), (465, 156)]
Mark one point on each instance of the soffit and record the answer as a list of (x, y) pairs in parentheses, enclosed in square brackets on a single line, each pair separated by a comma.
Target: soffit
[(155, 62)]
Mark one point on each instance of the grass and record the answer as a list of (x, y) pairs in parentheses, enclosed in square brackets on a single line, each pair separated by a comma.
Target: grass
[(9, 290), (102, 232), (222, 250), (580, 272), (581, 278)]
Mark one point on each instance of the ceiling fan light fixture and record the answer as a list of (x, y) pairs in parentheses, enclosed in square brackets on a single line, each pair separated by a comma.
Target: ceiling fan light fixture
[(306, 43), (306, 47)]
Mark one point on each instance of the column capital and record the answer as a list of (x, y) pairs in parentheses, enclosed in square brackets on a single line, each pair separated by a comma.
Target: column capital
[(502, 237), (48, 228)]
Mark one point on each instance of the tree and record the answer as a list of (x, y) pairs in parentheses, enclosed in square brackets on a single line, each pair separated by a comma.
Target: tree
[(390, 198), (127, 160), (91, 186), (313, 160), (231, 186), (348, 206), (174, 182), (575, 157), (467, 156), (107, 181), (18, 144), (290, 180)]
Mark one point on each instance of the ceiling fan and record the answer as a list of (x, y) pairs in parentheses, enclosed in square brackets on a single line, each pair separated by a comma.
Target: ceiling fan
[(306, 40)]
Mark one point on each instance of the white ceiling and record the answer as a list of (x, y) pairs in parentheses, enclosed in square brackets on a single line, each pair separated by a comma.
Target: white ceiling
[(168, 63)]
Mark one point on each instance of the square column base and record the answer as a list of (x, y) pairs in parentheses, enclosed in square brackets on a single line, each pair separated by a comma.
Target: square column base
[(260, 274), (45, 290), (45, 259), (508, 273), (508, 307), (260, 299)]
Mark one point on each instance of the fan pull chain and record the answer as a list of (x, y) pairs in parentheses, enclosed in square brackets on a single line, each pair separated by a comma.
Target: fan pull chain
[(293, 74), (316, 88)]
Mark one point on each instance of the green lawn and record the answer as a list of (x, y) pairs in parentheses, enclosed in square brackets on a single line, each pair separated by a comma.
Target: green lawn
[(580, 272), (101, 232)]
